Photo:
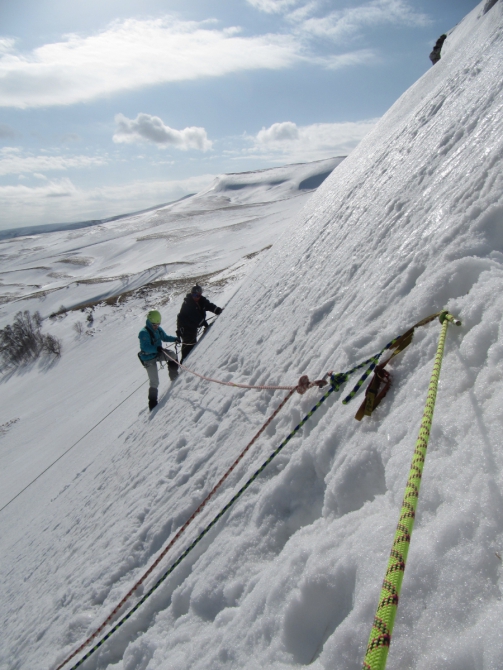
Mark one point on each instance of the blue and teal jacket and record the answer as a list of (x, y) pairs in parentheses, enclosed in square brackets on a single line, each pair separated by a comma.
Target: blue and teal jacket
[(150, 339)]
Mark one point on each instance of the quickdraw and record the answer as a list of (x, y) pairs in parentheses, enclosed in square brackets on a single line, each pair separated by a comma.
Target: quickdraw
[(380, 383)]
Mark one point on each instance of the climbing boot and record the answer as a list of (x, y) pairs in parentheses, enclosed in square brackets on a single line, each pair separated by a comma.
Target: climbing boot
[(173, 368), (152, 398)]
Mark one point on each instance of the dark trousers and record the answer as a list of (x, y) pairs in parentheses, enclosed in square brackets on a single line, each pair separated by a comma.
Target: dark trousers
[(151, 368), (189, 341)]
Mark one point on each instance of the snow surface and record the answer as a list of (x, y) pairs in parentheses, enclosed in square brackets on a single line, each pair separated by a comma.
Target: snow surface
[(149, 260), (409, 223)]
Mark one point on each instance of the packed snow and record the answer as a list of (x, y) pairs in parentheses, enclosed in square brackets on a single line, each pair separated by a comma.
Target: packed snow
[(410, 223)]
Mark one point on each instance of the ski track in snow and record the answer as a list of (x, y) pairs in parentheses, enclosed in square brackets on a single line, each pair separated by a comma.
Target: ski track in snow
[(409, 224)]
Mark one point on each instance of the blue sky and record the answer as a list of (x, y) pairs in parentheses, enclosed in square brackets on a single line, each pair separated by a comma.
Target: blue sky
[(113, 106)]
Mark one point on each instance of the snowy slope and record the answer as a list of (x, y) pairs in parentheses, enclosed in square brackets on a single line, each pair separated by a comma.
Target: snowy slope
[(409, 223), (211, 238)]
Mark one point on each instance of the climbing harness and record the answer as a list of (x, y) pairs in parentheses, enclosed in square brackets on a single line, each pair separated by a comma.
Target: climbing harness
[(145, 353), (382, 627)]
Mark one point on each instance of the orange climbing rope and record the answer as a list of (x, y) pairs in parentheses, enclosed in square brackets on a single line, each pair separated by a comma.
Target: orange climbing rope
[(303, 385)]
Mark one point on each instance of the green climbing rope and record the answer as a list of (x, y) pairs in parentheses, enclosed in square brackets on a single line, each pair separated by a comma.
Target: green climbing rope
[(382, 627)]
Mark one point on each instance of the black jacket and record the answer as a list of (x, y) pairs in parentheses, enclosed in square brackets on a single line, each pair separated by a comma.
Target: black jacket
[(193, 314)]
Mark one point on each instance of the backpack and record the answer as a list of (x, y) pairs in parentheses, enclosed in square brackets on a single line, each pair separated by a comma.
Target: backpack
[(151, 342)]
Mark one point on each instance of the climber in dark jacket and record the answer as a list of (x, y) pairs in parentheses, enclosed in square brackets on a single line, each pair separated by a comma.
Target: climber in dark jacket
[(192, 316), (435, 54)]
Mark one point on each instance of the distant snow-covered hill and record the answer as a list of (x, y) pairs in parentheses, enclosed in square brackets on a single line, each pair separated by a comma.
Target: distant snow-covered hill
[(239, 214)]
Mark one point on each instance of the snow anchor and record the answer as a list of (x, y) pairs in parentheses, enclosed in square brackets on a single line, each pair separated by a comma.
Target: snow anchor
[(374, 393), (382, 627)]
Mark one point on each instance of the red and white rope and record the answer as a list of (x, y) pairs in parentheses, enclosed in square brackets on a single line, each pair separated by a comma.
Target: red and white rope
[(302, 386)]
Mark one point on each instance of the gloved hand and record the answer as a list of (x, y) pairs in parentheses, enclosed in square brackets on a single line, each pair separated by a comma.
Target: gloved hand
[(159, 349), (178, 341), (219, 310)]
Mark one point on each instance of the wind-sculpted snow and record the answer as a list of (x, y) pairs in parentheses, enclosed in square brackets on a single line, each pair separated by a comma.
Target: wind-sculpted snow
[(408, 224)]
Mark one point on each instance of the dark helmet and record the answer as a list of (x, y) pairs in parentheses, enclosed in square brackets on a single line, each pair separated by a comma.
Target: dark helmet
[(196, 290)]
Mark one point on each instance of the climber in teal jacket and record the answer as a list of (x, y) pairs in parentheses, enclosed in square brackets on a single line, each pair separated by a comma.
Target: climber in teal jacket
[(151, 339)]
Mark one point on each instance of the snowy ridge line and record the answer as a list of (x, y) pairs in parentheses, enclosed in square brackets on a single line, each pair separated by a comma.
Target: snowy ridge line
[(336, 381), (180, 531), (382, 627), (70, 448)]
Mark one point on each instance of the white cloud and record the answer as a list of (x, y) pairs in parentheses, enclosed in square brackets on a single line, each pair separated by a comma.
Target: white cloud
[(351, 58), (13, 195), (288, 142), (278, 132), (133, 54), (6, 44), (60, 201), (346, 22), (302, 12), (272, 6), (13, 162), (147, 128)]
